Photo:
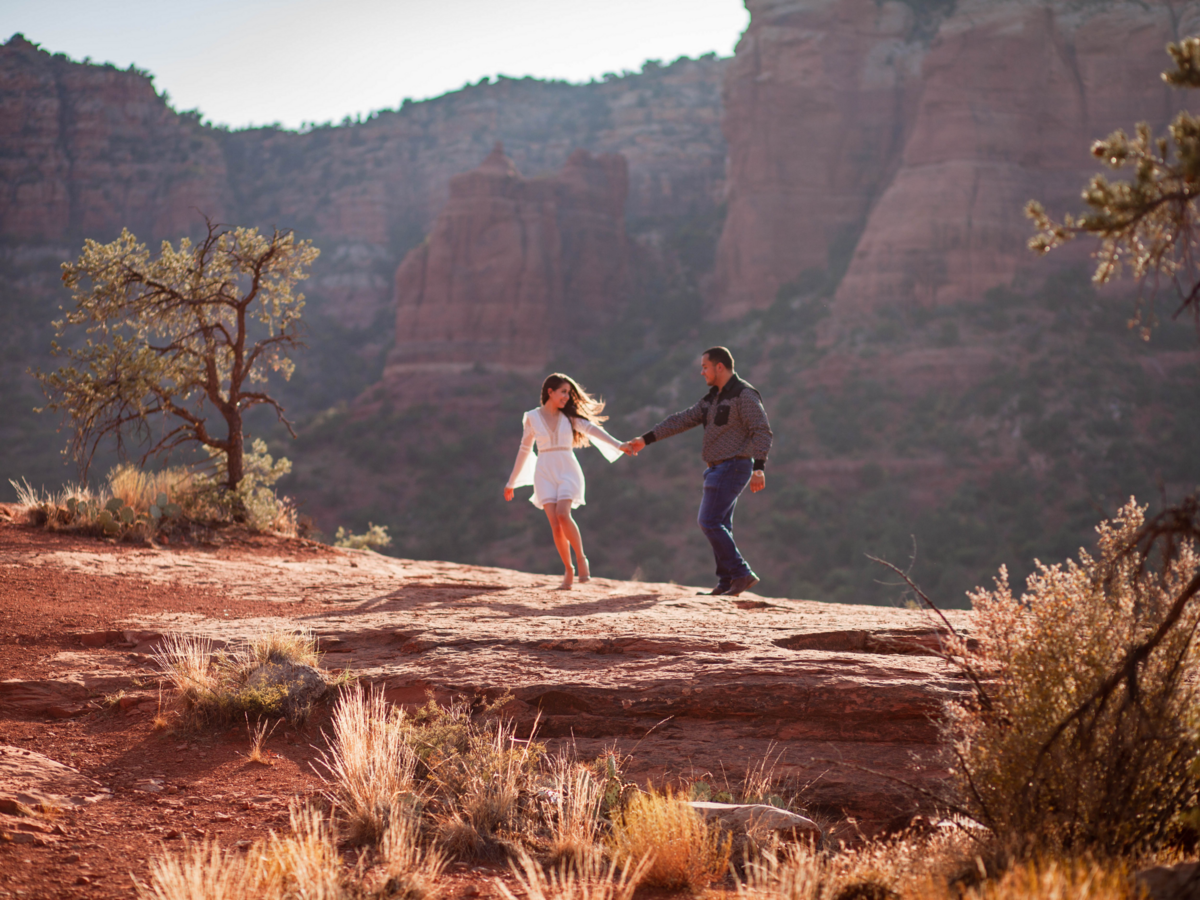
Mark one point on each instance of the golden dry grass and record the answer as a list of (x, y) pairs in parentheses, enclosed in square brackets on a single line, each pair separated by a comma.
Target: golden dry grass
[(214, 685), (575, 820), (684, 851), (369, 763), (141, 489), (202, 872), (588, 877), (259, 734), (410, 869)]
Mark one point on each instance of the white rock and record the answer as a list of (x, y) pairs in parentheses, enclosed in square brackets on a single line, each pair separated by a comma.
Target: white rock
[(758, 818)]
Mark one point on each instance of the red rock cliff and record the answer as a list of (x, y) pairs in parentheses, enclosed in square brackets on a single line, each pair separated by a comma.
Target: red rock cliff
[(904, 144), (92, 149), (512, 267)]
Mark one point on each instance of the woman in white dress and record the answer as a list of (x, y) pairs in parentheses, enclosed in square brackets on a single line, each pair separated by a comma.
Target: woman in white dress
[(568, 418)]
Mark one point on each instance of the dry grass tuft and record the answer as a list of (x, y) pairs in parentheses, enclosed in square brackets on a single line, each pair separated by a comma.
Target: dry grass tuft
[(905, 866), (370, 763), (578, 797), (298, 646), (215, 685), (202, 872), (259, 734), (141, 489), (480, 782), (685, 852), (410, 869), (304, 864), (587, 877), (1058, 879)]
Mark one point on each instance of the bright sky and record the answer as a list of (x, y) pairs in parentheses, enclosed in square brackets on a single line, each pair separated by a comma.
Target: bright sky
[(243, 62)]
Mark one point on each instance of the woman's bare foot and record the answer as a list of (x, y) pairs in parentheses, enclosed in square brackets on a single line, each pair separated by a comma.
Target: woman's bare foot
[(585, 570), (568, 580)]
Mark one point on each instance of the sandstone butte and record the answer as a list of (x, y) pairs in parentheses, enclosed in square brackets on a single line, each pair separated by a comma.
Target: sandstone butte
[(511, 263), (899, 142), (841, 701)]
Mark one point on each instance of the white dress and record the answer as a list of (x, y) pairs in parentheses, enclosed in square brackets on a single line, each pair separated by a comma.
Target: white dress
[(554, 471)]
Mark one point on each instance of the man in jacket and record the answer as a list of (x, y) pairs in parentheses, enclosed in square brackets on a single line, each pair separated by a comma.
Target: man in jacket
[(737, 439)]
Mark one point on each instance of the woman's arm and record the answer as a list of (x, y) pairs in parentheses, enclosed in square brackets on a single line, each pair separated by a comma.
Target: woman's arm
[(522, 472), (608, 445)]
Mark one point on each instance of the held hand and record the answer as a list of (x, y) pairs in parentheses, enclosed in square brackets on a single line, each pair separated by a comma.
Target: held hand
[(508, 493), (634, 447), (758, 481)]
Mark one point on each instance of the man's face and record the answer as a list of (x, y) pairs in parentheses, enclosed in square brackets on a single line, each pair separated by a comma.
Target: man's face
[(709, 370)]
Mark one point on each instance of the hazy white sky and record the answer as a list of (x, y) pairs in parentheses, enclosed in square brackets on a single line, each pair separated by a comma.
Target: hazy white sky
[(243, 62)]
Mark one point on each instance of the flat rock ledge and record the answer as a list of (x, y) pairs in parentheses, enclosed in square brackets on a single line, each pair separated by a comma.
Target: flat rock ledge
[(841, 702)]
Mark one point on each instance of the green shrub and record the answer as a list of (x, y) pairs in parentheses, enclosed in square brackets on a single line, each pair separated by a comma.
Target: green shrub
[(214, 685), (375, 536)]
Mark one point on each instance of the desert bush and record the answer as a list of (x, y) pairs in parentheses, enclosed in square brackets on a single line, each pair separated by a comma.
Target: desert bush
[(135, 503), (684, 851), (480, 785), (255, 503), (375, 536), (214, 685), (1043, 757)]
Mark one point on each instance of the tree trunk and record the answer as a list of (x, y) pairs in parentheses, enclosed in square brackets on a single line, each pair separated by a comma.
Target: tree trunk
[(235, 458), (235, 463)]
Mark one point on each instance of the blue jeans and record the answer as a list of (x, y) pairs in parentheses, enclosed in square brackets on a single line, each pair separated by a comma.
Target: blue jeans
[(723, 484)]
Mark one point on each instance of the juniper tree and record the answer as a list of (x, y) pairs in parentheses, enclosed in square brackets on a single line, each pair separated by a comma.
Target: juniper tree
[(1148, 224), (171, 340)]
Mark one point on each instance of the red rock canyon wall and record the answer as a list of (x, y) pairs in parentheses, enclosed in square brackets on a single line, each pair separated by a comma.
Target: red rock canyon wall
[(924, 133)]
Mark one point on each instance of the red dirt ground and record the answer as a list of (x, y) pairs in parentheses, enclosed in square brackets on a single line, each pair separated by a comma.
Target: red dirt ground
[(211, 789)]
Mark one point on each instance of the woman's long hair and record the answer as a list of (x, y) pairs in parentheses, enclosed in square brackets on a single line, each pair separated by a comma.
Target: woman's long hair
[(580, 405)]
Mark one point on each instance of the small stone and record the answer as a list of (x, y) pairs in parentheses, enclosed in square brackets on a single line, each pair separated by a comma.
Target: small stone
[(71, 858), (13, 807), (302, 685), (83, 879), (172, 834)]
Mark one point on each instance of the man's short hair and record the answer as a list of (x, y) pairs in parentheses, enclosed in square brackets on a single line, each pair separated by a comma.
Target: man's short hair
[(720, 355)]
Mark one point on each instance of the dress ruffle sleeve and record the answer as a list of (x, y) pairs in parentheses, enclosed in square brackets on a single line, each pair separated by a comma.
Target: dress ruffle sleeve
[(608, 445), (522, 473)]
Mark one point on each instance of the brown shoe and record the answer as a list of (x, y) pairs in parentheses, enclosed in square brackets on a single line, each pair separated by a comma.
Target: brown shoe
[(744, 583)]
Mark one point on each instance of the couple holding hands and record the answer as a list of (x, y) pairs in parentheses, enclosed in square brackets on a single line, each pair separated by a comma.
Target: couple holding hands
[(737, 439)]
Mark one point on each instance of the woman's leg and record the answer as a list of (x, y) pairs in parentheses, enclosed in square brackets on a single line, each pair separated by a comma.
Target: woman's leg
[(574, 538), (560, 542)]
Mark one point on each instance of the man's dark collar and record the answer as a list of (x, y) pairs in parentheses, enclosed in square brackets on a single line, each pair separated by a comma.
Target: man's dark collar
[(732, 382), (717, 393)]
